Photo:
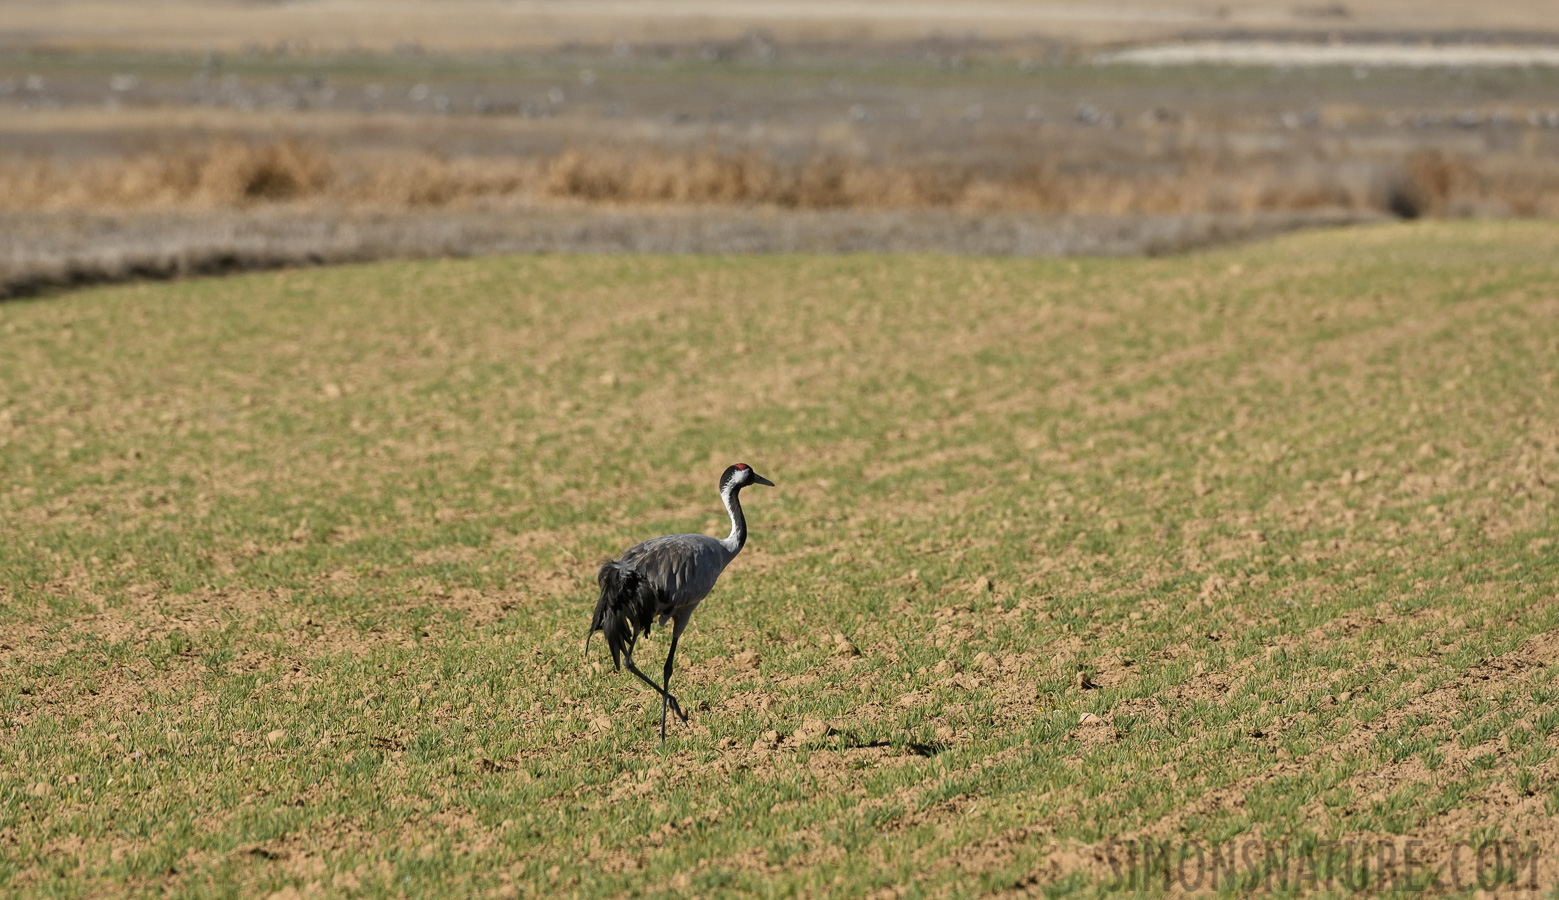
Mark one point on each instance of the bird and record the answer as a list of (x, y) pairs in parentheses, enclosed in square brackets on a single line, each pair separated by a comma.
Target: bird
[(666, 578)]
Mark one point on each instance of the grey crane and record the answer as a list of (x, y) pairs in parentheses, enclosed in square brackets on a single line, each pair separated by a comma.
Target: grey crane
[(665, 578)]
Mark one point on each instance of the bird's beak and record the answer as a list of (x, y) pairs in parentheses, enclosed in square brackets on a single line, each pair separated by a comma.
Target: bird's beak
[(759, 479)]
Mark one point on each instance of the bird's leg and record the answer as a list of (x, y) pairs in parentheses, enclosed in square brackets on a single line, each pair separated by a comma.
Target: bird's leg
[(665, 697), (676, 632)]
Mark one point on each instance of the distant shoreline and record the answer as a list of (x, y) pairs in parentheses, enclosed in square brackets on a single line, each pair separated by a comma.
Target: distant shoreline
[(1286, 53)]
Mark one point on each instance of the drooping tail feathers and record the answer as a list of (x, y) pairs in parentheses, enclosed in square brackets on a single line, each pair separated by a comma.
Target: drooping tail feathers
[(625, 610)]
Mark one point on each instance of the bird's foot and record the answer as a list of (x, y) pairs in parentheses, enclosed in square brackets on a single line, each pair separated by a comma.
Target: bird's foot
[(676, 707)]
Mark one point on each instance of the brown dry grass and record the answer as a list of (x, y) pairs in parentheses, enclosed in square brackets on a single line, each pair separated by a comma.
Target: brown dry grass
[(231, 173), (222, 173)]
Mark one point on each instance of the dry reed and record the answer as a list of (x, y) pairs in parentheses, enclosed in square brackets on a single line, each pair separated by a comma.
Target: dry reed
[(235, 174)]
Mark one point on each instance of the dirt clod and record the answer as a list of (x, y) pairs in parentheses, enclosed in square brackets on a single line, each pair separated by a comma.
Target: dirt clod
[(811, 729)]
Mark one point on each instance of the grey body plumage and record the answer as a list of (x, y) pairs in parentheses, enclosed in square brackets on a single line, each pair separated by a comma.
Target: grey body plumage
[(665, 578)]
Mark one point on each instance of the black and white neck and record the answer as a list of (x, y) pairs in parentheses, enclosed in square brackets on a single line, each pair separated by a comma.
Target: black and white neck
[(730, 493)]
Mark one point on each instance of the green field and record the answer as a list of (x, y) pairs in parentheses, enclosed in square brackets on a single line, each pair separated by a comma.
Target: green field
[(295, 570)]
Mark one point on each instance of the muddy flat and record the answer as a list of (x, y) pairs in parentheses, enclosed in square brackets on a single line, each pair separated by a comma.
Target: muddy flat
[(122, 162), (1252, 548), (190, 137)]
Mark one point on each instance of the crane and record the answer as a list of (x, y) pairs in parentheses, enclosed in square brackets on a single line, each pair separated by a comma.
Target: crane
[(666, 577)]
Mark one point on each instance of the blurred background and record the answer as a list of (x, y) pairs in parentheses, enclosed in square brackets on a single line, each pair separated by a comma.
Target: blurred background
[(171, 136)]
